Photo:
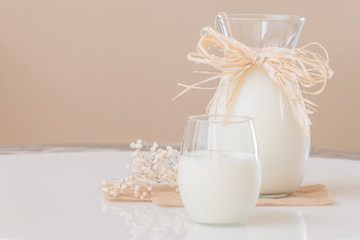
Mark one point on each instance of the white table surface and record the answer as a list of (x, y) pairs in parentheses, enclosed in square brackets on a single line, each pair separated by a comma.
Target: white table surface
[(58, 196)]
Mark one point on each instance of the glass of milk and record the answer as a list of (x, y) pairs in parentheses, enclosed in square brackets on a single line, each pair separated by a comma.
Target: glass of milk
[(219, 171)]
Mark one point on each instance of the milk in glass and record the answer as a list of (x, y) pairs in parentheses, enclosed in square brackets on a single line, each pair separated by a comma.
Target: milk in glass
[(219, 187), (283, 144)]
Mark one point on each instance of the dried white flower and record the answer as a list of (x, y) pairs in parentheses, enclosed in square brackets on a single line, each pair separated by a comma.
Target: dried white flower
[(155, 166), (154, 147), (134, 154)]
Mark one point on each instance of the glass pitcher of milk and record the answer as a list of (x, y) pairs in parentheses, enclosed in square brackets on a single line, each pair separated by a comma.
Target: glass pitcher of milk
[(283, 144), (219, 182)]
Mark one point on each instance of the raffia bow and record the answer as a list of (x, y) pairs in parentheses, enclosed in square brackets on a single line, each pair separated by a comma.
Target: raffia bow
[(294, 71)]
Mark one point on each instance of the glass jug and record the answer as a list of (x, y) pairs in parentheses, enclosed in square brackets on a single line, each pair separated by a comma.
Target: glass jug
[(283, 144)]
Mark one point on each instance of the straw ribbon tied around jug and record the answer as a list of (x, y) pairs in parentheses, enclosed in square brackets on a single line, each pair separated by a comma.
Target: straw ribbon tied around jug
[(260, 61), (294, 71)]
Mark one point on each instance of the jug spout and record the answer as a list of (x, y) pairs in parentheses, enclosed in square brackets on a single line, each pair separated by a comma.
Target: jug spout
[(262, 30)]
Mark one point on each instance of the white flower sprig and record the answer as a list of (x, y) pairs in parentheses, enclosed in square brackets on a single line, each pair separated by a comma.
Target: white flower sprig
[(156, 166)]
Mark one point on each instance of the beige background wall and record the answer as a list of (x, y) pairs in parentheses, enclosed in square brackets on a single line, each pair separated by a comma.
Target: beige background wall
[(101, 71)]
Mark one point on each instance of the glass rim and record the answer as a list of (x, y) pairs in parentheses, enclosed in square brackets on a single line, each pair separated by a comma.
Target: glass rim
[(233, 118), (261, 17)]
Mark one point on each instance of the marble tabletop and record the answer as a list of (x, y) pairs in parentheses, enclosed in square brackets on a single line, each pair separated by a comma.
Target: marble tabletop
[(54, 192), (48, 148)]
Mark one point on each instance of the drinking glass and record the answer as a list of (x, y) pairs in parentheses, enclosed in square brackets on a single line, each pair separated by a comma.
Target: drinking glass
[(219, 173)]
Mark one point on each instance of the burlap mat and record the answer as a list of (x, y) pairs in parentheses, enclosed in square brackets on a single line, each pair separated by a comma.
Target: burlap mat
[(166, 196)]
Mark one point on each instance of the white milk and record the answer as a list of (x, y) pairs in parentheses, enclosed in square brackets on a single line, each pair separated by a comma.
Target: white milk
[(219, 188), (283, 145)]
